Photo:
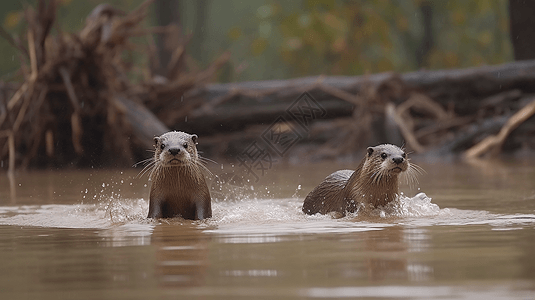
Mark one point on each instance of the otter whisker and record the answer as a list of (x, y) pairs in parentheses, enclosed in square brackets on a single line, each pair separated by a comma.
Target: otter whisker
[(377, 176), (374, 175), (149, 166), (412, 174), (204, 159), (156, 170), (417, 169), (202, 166), (142, 162), (410, 177)]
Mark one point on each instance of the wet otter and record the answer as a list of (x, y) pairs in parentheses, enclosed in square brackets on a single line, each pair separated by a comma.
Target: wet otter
[(178, 186), (375, 182)]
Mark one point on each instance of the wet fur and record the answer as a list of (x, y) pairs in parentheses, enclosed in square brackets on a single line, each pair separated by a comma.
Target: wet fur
[(178, 190), (372, 183)]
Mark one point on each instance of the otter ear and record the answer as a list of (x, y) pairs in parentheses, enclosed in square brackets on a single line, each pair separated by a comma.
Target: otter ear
[(156, 140), (194, 138), (370, 150)]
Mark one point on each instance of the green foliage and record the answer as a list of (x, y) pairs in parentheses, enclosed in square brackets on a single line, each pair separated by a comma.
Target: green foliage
[(359, 37), (472, 33), (275, 39)]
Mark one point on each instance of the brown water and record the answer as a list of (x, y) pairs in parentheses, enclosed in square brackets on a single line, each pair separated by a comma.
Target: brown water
[(83, 235)]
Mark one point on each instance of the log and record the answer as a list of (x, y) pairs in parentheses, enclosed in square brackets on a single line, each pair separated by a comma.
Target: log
[(258, 102), (232, 117), (145, 125), (466, 138), (494, 143)]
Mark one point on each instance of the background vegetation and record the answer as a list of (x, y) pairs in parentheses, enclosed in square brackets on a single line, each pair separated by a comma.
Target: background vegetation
[(271, 39)]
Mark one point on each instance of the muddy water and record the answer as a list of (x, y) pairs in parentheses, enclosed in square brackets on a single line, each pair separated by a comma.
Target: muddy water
[(466, 231)]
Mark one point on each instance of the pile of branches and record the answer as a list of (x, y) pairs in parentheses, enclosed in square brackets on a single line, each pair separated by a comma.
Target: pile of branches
[(78, 104), (471, 112)]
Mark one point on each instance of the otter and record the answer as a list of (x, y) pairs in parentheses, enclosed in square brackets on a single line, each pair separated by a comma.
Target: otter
[(178, 186), (375, 182)]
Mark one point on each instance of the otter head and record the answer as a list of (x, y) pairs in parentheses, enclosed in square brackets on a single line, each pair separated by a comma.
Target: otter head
[(389, 158), (175, 148)]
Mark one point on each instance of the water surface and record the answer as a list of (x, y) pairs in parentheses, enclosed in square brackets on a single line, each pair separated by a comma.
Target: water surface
[(465, 232)]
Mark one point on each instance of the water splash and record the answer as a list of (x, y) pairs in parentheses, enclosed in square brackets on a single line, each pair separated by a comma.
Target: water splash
[(417, 206), (257, 216)]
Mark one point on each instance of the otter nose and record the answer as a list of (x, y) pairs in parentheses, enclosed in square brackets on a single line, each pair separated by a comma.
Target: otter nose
[(174, 151), (397, 160)]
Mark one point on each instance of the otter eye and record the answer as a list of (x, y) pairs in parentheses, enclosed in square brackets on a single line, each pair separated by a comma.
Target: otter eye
[(404, 155), (162, 146), (185, 145), (383, 155)]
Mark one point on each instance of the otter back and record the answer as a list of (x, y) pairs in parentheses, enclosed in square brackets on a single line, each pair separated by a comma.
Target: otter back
[(325, 197), (374, 182)]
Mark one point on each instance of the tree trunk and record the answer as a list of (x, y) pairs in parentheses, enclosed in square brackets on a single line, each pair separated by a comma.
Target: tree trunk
[(522, 24), (167, 13), (427, 40)]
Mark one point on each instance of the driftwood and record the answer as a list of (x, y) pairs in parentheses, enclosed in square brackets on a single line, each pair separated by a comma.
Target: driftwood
[(77, 105), (445, 87), (434, 111), (144, 123), (494, 143)]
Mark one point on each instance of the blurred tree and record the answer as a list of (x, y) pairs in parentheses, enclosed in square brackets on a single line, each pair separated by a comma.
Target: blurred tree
[(167, 13), (274, 39), (71, 17), (470, 33), (201, 16), (357, 37), (522, 20), (422, 55)]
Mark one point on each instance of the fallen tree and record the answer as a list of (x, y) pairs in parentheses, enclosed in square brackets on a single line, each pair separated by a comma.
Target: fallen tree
[(78, 104), (444, 111)]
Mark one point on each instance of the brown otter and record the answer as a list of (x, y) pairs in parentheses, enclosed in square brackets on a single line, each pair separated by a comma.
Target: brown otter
[(178, 186), (374, 182)]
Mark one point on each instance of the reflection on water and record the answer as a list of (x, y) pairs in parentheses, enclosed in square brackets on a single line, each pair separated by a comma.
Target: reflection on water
[(465, 232)]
